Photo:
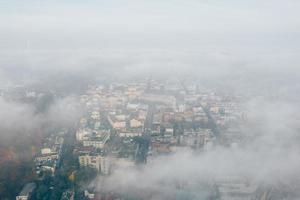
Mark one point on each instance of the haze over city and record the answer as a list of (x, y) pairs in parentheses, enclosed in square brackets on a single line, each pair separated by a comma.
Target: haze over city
[(149, 100)]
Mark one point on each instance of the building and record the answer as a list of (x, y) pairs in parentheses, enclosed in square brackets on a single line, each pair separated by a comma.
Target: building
[(202, 138), (132, 133), (95, 115), (169, 130), (96, 161), (97, 140), (157, 98), (134, 123), (50, 155), (93, 161), (26, 192), (46, 151), (235, 188), (105, 165), (81, 134), (117, 122)]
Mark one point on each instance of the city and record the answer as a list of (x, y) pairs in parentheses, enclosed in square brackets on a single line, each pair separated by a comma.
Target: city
[(125, 127), (149, 100)]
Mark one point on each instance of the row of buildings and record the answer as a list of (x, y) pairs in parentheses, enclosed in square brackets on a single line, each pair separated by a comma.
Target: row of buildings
[(48, 159)]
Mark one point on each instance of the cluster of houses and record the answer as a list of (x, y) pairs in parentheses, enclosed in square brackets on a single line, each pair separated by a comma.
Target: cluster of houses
[(48, 159), (229, 116)]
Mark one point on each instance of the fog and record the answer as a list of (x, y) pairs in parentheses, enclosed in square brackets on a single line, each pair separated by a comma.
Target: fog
[(243, 42), (53, 24), (270, 156), (241, 47), (20, 120)]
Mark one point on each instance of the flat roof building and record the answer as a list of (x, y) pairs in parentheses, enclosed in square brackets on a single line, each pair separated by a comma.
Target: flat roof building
[(26, 192)]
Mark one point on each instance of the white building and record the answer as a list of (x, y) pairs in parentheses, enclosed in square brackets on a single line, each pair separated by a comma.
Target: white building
[(81, 134), (98, 162), (98, 140), (116, 122), (46, 151), (130, 133), (134, 123), (95, 115)]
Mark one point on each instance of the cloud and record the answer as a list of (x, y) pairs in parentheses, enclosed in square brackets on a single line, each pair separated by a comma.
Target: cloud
[(65, 112), (250, 43), (17, 116), (269, 156), (243, 70), (21, 120)]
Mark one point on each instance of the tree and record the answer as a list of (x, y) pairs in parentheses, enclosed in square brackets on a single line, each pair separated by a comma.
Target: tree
[(42, 193)]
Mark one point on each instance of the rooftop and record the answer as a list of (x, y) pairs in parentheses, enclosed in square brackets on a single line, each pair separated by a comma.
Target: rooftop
[(27, 189)]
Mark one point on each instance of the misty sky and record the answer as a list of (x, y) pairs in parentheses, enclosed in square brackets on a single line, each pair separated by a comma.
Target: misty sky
[(212, 40), (200, 24)]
